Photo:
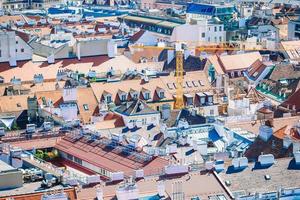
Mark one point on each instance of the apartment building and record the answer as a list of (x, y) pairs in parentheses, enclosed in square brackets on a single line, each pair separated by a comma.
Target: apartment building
[(36, 4), (13, 48)]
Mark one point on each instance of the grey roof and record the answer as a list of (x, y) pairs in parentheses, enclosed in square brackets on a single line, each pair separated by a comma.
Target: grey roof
[(284, 71), (192, 63), (137, 107), (5, 167)]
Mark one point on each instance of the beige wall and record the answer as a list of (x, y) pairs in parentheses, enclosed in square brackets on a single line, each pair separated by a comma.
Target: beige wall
[(11, 179)]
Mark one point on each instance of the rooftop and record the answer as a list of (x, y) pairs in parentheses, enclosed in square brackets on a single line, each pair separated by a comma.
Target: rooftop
[(251, 180), (210, 186), (5, 167), (111, 159)]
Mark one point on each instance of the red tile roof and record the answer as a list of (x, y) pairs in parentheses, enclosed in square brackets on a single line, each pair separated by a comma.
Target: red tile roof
[(111, 160), (293, 101), (137, 36)]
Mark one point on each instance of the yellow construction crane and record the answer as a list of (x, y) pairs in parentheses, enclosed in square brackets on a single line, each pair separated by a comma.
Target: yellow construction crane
[(180, 47), (179, 103)]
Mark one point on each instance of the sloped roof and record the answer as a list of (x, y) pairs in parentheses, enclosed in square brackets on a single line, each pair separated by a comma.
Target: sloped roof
[(255, 70), (239, 61), (9, 104), (137, 36), (273, 146), (284, 71), (192, 63), (293, 101), (137, 107), (191, 119)]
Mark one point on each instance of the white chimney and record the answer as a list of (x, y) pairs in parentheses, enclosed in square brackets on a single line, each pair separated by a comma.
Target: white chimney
[(170, 56), (187, 53), (99, 194), (78, 50), (265, 132), (161, 188), (111, 49), (51, 59)]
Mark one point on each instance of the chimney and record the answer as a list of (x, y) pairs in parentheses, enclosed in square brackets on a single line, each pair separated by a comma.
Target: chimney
[(51, 59), (78, 50), (187, 53)]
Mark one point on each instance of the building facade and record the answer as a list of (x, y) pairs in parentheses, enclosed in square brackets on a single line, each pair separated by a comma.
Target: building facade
[(37, 4), (13, 48)]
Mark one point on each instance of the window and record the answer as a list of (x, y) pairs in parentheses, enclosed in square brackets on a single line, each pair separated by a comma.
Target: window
[(220, 38), (108, 99), (215, 39), (70, 157), (0, 53), (135, 95), (203, 35), (215, 29), (220, 28), (22, 50), (208, 39), (147, 95), (161, 94), (17, 41), (16, 50), (77, 160), (85, 107), (123, 97)]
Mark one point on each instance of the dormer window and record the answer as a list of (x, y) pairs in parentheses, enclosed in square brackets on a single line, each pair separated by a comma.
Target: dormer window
[(135, 96), (123, 97), (161, 94), (108, 99), (147, 95)]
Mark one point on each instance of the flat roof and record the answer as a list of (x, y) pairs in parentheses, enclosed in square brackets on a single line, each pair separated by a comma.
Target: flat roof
[(194, 184), (283, 174), (5, 167), (33, 191)]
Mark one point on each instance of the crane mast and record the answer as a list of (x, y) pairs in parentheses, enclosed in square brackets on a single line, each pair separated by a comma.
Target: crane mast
[(179, 103)]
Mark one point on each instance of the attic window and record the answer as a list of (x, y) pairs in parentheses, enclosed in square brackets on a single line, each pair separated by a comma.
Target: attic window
[(108, 99), (147, 95), (161, 94), (85, 107), (18, 105), (123, 97)]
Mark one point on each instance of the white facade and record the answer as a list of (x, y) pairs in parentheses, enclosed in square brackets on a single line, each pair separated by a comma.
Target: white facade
[(141, 120), (70, 94), (36, 4), (147, 39), (202, 32), (13, 48)]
